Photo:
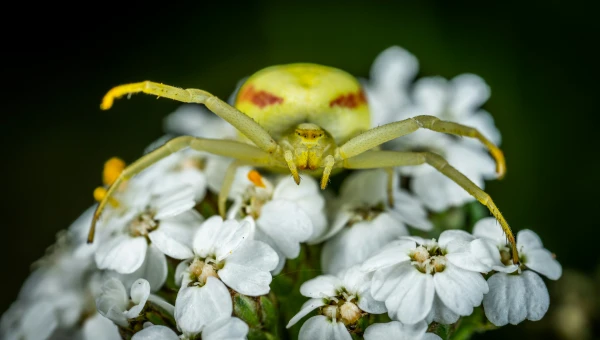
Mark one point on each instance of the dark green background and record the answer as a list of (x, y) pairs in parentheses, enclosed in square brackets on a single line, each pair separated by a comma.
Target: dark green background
[(537, 58)]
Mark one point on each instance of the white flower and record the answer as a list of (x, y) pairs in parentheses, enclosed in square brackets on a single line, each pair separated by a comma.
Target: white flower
[(222, 251), (424, 279), (286, 215), (516, 295), (387, 90), (165, 218), (225, 250), (399, 331), (365, 222), (229, 328), (113, 302), (341, 300)]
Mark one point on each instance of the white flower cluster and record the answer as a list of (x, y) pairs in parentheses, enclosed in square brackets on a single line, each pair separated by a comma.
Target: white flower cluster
[(162, 267)]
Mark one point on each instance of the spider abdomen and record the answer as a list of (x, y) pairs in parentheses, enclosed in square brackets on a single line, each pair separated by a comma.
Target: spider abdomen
[(281, 97)]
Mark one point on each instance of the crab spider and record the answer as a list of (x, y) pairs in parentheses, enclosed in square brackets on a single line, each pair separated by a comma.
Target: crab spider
[(304, 117)]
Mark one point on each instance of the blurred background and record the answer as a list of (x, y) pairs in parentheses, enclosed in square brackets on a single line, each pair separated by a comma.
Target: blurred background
[(535, 57)]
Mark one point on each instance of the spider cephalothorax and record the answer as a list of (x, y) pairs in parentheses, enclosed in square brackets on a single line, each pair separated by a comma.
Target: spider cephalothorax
[(304, 118)]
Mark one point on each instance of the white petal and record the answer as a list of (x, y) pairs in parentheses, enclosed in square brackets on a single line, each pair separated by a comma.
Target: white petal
[(408, 293), (247, 270), (468, 261), (123, 254), (155, 333), (173, 239), (181, 271), (140, 290), (410, 210), (460, 290), (513, 298), (233, 236), (173, 202), (440, 313), (453, 239), (469, 92), (246, 280), (254, 254), (320, 328), (489, 228), (528, 240), (39, 321), (229, 328), (321, 286), (394, 253), (394, 68), (437, 192), (395, 330), (542, 261), (162, 303), (286, 224), (371, 184), (155, 268), (306, 194), (206, 236), (358, 283), (307, 307), (195, 307), (98, 327), (340, 221), (431, 95), (112, 301)]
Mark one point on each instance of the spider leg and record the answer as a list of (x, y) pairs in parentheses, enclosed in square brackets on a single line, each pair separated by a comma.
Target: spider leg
[(246, 125), (379, 135), (229, 148), (382, 159), (390, 185)]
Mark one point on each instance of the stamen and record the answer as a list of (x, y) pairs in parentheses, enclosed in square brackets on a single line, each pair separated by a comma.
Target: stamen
[(100, 193), (112, 170), (256, 178)]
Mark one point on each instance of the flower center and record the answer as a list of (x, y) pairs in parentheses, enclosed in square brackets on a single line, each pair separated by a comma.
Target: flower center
[(201, 269), (366, 213), (342, 308), (256, 196), (143, 224), (429, 259)]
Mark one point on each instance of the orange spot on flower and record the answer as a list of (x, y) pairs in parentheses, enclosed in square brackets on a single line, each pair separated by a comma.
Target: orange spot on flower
[(259, 98), (350, 100), (256, 178)]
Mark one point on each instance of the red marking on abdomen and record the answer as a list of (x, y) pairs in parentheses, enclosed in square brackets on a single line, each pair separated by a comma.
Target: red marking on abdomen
[(350, 100), (259, 98)]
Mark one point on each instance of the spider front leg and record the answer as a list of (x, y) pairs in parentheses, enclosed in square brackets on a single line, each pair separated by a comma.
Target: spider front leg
[(229, 148), (385, 133), (246, 125), (381, 159)]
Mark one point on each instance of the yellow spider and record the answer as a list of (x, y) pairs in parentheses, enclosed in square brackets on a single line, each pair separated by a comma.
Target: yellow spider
[(303, 117)]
